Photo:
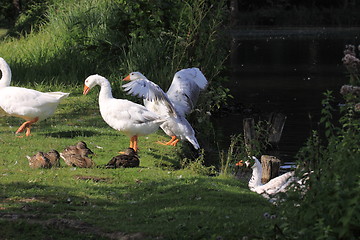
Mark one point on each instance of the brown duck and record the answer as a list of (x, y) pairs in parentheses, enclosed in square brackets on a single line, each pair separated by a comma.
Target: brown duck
[(76, 160), (54, 157), (39, 161), (78, 155), (79, 149), (128, 159)]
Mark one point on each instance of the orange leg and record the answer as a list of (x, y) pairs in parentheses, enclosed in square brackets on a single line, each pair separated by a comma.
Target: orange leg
[(27, 125), (133, 143), (135, 146), (173, 141)]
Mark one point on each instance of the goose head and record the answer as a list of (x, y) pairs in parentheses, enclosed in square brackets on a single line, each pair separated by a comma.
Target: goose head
[(251, 162), (92, 81), (134, 76)]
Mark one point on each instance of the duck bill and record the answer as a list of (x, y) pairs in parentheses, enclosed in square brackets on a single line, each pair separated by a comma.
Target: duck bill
[(127, 78), (86, 90)]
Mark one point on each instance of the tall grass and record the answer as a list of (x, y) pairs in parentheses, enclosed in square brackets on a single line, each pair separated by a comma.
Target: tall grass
[(113, 38)]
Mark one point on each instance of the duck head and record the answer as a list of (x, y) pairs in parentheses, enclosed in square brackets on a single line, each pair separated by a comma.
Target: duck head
[(130, 152)]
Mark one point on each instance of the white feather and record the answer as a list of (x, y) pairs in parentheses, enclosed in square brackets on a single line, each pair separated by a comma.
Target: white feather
[(176, 103)]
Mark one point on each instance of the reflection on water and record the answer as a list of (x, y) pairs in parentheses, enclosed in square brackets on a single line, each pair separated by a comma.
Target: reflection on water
[(287, 73)]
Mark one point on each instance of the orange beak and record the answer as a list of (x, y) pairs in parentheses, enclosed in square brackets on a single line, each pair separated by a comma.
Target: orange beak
[(240, 163), (127, 78), (86, 90)]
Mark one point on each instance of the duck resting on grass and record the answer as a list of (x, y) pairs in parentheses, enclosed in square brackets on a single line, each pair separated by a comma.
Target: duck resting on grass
[(44, 160), (31, 105), (178, 101), (128, 159), (39, 161), (54, 157), (78, 155), (76, 160), (79, 149), (130, 118)]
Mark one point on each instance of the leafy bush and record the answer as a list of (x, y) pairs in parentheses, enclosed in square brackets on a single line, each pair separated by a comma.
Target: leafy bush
[(79, 38)]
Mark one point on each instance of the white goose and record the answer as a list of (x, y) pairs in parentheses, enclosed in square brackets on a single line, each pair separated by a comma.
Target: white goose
[(274, 186), (125, 116), (178, 101), (28, 104)]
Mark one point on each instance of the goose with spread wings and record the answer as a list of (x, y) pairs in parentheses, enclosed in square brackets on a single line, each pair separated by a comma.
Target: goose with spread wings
[(178, 101)]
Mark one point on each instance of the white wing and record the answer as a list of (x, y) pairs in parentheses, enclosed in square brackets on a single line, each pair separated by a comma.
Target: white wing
[(185, 89), (151, 92)]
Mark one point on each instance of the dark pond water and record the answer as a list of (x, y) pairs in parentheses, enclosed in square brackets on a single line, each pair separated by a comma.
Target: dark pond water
[(287, 71)]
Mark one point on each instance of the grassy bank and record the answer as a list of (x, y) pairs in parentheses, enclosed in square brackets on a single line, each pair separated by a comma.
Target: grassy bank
[(157, 199), (3, 32)]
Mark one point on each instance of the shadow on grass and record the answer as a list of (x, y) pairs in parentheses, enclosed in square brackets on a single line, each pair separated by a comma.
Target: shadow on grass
[(71, 134), (176, 208), (163, 161)]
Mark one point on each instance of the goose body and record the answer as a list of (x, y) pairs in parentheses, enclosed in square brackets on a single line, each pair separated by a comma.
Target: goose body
[(28, 104), (125, 116), (178, 101), (274, 186)]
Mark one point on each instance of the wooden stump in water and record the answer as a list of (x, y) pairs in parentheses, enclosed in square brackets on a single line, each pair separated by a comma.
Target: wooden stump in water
[(270, 166), (276, 126), (249, 134)]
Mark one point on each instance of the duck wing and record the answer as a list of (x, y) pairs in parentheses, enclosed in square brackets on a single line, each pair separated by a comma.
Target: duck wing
[(185, 89)]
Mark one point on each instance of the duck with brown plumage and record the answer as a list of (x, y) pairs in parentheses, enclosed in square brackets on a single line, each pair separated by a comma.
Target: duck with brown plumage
[(44, 160), (78, 155), (128, 159)]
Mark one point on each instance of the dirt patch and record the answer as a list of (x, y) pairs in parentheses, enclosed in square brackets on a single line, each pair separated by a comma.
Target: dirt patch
[(94, 179)]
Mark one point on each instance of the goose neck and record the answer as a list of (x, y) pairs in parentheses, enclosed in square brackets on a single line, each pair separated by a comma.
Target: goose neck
[(6, 75), (256, 175), (105, 90)]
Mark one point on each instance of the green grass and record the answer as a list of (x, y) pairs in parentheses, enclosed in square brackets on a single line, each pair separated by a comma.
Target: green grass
[(157, 199), (3, 31)]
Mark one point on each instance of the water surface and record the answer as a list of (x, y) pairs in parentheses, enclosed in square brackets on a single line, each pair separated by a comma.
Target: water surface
[(287, 71)]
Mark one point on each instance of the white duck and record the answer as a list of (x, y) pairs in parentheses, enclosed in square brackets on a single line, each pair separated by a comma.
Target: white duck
[(125, 116), (274, 186), (178, 101), (29, 104)]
